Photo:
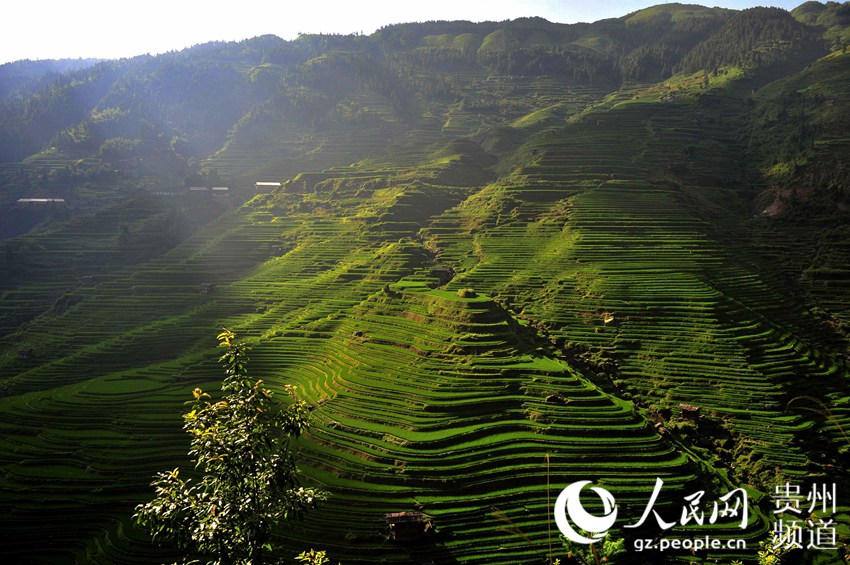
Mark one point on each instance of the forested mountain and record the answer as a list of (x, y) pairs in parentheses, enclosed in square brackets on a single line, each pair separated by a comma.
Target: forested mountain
[(23, 78), (502, 255)]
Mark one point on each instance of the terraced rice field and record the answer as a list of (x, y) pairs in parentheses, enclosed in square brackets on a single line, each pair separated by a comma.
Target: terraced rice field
[(428, 397), (440, 401), (631, 268)]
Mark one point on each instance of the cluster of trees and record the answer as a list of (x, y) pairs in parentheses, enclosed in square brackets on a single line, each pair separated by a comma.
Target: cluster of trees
[(756, 37), (651, 47), (27, 123), (196, 95), (186, 104), (580, 66), (657, 43), (22, 78)]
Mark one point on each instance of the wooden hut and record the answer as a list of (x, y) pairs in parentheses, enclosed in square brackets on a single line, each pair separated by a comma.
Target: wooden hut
[(689, 412), (404, 526), (26, 353)]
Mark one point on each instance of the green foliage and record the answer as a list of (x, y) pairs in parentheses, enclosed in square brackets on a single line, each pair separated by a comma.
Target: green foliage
[(313, 557), (600, 238), (594, 554), (771, 551), (833, 16), (798, 126), (758, 37), (248, 482), (119, 147)]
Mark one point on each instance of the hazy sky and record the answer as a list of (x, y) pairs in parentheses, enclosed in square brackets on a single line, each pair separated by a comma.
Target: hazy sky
[(50, 29)]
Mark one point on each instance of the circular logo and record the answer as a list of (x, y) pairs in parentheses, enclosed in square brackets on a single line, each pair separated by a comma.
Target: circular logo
[(568, 504)]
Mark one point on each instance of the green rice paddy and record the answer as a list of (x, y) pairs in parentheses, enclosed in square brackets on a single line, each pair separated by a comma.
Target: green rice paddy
[(615, 277)]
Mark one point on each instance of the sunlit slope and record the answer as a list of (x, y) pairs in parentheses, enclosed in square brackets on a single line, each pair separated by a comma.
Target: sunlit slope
[(432, 401), (623, 239), (621, 264), (422, 397), (136, 336)]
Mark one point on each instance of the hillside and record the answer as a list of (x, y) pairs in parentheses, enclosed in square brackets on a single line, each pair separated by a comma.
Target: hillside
[(651, 211)]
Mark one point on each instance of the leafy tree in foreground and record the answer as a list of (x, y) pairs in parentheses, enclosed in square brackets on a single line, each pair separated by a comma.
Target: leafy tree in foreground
[(593, 554), (248, 482)]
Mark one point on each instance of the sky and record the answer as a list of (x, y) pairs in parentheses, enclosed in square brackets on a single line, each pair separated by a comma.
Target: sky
[(111, 29)]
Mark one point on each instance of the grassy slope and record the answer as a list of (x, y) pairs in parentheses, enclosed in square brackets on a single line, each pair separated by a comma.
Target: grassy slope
[(615, 280)]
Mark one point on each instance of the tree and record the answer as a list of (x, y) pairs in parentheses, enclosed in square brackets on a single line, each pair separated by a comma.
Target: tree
[(313, 557), (248, 482), (593, 554)]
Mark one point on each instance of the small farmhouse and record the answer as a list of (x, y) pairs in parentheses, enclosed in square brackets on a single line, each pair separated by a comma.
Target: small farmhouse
[(266, 187), (405, 526), (689, 412), (41, 201), (26, 353)]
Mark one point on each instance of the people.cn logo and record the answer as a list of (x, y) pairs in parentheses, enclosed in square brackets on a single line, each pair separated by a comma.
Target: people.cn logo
[(568, 508)]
